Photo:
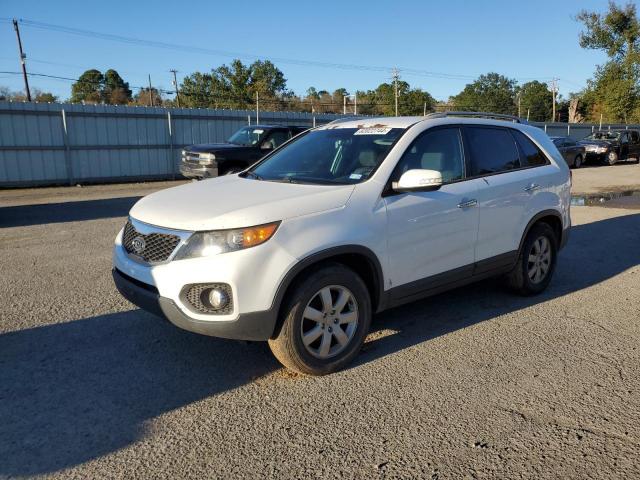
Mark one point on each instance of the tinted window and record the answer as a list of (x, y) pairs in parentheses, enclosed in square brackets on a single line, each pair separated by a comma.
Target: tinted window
[(492, 150), (439, 150), (634, 137), (531, 155)]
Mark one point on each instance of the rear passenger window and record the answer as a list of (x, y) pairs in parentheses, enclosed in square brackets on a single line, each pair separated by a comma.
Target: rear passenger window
[(531, 155), (493, 150)]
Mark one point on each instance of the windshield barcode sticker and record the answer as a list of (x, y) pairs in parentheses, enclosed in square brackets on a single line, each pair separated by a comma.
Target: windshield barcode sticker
[(373, 131)]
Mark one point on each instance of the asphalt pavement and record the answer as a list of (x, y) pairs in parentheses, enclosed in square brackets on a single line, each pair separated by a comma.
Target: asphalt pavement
[(474, 383)]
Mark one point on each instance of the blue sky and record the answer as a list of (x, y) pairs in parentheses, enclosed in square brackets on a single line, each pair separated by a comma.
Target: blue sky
[(523, 40)]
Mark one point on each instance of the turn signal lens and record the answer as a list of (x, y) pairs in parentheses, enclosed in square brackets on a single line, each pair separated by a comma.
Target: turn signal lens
[(257, 235)]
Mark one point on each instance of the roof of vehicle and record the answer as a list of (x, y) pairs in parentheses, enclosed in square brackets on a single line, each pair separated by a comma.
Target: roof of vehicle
[(262, 125), (406, 122)]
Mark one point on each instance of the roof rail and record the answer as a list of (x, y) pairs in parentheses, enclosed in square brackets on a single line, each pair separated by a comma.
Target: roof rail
[(496, 116), (342, 120)]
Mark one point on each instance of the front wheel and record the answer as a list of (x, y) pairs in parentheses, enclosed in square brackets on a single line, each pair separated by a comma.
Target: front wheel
[(536, 262), (611, 158), (326, 319), (577, 163)]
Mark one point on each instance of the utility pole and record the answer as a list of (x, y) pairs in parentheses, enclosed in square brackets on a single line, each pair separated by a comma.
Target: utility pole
[(257, 108), (355, 103), (395, 75), (344, 104), (22, 58), (175, 84), (519, 110), (150, 93), (554, 89), (424, 110)]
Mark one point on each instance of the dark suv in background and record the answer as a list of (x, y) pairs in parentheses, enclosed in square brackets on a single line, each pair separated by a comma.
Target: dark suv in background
[(245, 147), (613, 146)]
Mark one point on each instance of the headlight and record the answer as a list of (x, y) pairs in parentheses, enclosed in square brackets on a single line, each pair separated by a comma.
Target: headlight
[(206, 157), (206, 244), (601, 149)]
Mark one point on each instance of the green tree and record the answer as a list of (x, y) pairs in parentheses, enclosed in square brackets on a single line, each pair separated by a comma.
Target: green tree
[(235, 86), (88, 88), (614, 91), (489, 93), (536, 97), (115, 91)]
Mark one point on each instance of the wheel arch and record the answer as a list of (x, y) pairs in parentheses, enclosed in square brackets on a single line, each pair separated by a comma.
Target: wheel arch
[(553, 218), (360, 259)]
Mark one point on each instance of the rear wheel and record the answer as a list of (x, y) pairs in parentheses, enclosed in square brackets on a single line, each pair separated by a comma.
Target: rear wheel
[(326, 319), (536, 262)]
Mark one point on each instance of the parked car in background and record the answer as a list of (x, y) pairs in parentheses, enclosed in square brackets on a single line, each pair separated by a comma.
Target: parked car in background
[(346, 220), (571, 150), (245, 147), (612, 146)]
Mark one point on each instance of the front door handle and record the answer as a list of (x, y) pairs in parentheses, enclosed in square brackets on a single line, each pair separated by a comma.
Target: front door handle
[(532, 187), (468, 203)]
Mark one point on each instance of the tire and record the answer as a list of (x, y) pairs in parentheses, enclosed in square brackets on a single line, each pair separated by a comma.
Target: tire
[(323, 352), (520, 279), (611, 158), (577, 162)]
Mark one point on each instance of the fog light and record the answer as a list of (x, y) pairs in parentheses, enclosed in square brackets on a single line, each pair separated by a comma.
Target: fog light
[(218, 298)]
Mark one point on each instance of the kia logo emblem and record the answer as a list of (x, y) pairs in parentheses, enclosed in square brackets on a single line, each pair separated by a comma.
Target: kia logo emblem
[(138, 244)]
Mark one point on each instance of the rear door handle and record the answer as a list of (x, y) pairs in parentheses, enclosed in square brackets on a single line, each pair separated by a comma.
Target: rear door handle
[(468, 203), (532, 187)]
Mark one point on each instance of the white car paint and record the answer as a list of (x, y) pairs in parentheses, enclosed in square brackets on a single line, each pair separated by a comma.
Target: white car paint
[(413, 235)]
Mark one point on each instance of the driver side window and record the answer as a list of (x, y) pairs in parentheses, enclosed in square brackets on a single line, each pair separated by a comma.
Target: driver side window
[(440, 150)]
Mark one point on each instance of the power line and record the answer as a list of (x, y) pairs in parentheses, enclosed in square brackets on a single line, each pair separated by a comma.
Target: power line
[(232, 54)]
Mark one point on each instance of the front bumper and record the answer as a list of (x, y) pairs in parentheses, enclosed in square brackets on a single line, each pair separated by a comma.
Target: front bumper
[(256, 326), (190, 170)]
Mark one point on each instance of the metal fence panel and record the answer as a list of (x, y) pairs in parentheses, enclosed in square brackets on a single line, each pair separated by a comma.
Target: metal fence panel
[(48, 144)]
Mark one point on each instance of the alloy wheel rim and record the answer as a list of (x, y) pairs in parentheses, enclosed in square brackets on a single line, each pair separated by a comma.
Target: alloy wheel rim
[(329, 321), (539, 261)]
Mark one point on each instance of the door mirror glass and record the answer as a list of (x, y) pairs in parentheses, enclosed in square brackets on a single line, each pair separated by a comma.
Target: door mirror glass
[(418, 180), (268, 145)]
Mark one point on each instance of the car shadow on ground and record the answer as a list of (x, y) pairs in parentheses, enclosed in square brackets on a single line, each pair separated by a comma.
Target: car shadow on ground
[(75, 391), (25, 215)]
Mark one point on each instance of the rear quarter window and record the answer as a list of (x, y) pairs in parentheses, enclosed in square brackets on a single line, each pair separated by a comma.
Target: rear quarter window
[(532, 156), (493, 150)]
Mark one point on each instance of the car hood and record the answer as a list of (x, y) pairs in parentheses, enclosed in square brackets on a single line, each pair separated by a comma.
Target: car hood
[(234, 202), (215, 147), (599, 143)]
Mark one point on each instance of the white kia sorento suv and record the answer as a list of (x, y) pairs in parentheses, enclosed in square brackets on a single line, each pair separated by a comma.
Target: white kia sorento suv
[(346, 220)]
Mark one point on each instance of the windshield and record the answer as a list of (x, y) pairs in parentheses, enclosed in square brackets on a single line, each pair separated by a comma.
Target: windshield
[(603, 136), (557, 141), (334, 156), (248, 136)]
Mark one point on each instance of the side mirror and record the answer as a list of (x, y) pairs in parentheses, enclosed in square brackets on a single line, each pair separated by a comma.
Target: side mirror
[(266, 146), (418, 181)]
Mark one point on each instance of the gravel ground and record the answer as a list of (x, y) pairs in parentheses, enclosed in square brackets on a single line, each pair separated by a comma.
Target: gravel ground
[(592, 179), (474, 383)]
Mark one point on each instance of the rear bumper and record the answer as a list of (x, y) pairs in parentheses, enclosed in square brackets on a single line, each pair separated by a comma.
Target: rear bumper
[(191, 171), (248, 326)]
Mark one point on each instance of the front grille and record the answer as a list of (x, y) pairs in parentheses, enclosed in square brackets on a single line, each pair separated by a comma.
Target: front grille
[(152, 248), (196, 296)]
